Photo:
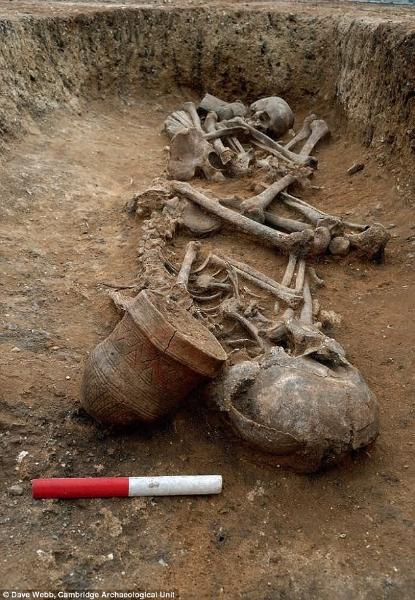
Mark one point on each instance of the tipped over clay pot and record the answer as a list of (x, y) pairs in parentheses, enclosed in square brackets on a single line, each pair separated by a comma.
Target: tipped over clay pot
[(156, 355)]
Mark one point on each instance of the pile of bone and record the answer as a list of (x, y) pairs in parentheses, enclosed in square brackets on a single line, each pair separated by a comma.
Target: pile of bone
[(287, 387), (223, 140)]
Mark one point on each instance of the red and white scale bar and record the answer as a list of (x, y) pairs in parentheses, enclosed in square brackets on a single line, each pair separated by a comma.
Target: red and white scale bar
[(105, 487)]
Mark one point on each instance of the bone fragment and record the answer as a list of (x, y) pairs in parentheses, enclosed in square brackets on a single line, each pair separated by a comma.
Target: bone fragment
[(289, 271), (231, 312), (319, 130), (306, 315), (273, 152), (303, 134), (240, 162), (197, 221), (209, 124), (189, 258), (299, 159), (299, 281), (294, 242), (329, 318)]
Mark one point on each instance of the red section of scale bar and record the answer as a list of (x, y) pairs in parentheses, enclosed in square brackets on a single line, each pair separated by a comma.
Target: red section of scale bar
[(80, 487)]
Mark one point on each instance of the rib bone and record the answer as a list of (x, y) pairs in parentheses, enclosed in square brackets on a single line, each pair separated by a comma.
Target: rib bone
[(286, 294), (294, 242)]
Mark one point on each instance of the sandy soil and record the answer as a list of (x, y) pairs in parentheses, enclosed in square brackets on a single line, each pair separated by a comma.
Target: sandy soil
[(347, 533)]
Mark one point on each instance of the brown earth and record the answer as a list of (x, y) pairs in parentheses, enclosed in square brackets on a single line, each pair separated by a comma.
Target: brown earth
[(346, 533)]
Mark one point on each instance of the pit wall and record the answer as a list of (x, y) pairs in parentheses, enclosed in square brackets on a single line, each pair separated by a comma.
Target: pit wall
[(361, 67)]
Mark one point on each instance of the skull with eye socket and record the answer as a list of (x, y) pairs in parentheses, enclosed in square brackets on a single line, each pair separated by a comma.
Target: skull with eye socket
[(271, 115)]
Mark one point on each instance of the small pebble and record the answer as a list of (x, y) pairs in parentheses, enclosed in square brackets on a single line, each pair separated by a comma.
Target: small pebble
[(355, 168), (15, 490)]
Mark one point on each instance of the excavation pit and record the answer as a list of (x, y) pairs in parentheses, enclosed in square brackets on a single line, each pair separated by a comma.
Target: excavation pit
[(85, 90)]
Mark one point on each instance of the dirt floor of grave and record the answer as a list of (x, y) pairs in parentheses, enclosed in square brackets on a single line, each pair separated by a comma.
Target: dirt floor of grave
[(271, 533)]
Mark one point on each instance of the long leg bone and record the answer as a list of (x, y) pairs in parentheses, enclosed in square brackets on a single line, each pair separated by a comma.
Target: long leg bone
[(289, 225), (319, 129), (294, 242), (303, 134), (189, 258), (256, 205), (315, 214), (209, 124)]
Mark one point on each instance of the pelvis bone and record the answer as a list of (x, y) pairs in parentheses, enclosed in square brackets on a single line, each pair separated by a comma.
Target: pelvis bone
[(189, 151), (272, 115)]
